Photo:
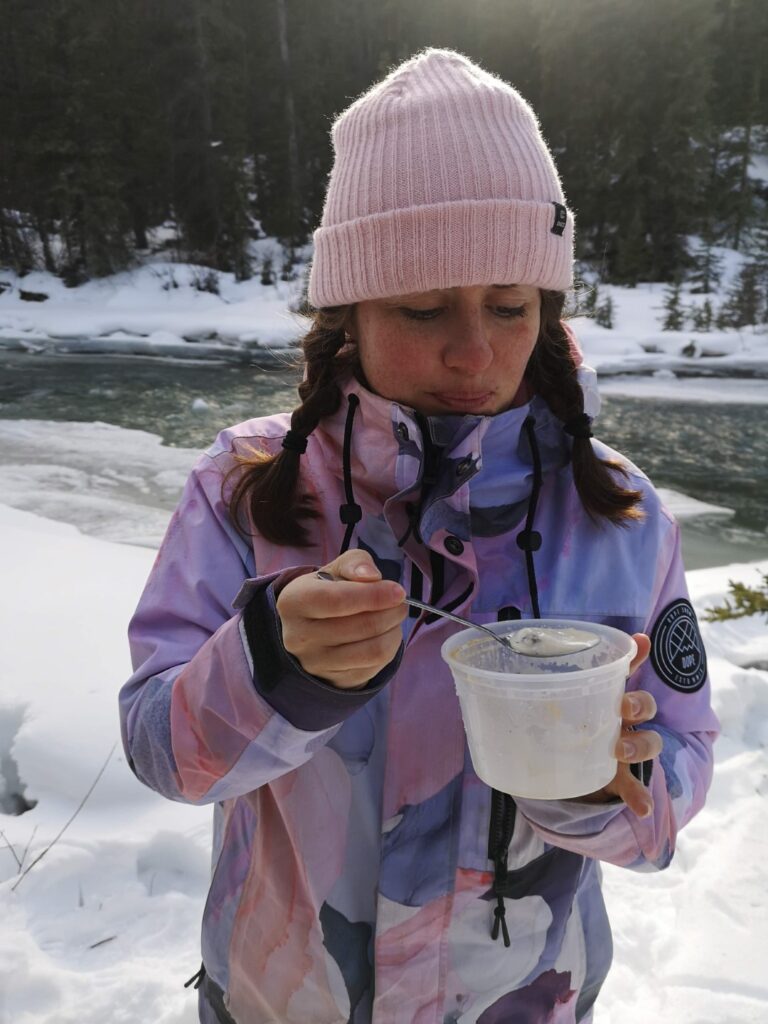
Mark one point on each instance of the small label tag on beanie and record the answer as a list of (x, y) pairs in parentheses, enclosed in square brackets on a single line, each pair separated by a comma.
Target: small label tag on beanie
[(561, 219)]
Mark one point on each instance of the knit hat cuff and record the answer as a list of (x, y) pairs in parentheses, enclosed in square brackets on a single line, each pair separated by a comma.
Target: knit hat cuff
[(446, 245)]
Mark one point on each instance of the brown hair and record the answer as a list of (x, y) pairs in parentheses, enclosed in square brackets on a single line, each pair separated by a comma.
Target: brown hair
[(266, 490), (551, 373)]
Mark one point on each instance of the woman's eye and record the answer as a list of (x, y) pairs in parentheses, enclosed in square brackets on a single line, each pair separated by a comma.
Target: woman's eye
[(505, 312), (510, 311), (419, 314)]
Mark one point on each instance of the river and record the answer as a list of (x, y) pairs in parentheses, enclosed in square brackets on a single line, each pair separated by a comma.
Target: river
[(717, 453)]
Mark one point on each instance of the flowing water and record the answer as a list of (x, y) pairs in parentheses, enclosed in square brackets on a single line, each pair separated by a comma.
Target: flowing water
[(717, 453)]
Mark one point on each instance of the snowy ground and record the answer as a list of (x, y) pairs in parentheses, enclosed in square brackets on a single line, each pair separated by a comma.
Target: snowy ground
[(106, 926), (156, 309)]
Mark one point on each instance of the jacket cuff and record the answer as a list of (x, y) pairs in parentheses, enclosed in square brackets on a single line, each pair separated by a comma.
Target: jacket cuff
[(306, 701)]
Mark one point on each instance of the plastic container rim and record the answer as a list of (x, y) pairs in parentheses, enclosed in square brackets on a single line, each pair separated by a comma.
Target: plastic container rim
[(562, 681)]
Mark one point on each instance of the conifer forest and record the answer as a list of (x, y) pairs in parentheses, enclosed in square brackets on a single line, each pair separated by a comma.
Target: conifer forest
[(213, 116)]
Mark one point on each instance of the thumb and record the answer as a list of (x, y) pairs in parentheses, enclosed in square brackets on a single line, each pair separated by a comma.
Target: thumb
[(643, 650), (354, 565)]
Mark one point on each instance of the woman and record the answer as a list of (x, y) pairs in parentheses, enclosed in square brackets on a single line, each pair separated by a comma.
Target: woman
[(443, 449)]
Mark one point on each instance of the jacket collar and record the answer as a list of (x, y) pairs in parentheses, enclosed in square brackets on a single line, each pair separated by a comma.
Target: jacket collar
[(491, 453)]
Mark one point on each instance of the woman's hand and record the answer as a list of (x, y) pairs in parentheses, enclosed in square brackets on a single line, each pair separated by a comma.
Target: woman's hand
[(633, 747), (347, 631)]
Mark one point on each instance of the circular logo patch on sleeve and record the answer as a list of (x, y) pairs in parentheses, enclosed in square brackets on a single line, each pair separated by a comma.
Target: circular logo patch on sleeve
[(677, 652)]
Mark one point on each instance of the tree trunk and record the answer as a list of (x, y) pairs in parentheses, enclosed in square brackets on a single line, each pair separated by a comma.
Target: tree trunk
[(744, 207), (209, 178), (290, 117)]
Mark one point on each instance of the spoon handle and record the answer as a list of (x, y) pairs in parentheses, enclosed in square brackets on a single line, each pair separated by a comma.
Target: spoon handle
[(323, 575), (455, 618)]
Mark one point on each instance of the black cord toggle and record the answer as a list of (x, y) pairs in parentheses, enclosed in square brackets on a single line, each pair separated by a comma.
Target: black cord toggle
[(579, 426), (500, 918), (350, 514), (529, 540), (295, 442)]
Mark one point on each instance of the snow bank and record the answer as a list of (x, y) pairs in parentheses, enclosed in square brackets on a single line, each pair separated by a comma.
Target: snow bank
[(154, 309), (690, 943), (665, 384), (158, 310), (106, 926), (111, 482)]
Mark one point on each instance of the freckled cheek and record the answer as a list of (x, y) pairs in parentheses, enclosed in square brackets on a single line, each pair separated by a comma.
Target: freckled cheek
[(525, 340)]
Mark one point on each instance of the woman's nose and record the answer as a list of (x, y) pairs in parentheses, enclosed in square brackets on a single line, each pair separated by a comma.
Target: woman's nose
[(468, 349)]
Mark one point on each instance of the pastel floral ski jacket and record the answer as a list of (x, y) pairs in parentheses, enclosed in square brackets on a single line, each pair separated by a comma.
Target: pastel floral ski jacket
[(359, 864)]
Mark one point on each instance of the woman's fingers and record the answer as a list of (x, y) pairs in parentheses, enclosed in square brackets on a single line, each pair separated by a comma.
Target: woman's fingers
[(634, 747), (643, 650), (637, 707), (632, 792), (638, 745), (354, 663), (344, 629)]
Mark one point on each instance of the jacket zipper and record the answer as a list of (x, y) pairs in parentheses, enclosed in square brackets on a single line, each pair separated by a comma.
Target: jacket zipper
[(500, 832), (502, 827)]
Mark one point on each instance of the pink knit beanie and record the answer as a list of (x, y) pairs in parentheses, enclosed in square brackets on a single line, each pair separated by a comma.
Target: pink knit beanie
[(441, 179)]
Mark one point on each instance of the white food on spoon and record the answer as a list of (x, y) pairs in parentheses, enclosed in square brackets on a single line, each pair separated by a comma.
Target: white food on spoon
[(551, 642)]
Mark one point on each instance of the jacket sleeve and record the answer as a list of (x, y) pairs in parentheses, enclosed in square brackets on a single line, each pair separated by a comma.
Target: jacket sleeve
[(216, 707), (680, 776)]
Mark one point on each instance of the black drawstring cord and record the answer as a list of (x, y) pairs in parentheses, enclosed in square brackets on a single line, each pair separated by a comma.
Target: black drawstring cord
[(529, 540), (196, 978), (500, 918), (351, 513)]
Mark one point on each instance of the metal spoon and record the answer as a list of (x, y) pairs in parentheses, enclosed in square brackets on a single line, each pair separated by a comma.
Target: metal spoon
[(509, 642)]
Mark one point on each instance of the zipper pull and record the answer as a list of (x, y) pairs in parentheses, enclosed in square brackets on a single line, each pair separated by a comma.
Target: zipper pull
[(500, 918)]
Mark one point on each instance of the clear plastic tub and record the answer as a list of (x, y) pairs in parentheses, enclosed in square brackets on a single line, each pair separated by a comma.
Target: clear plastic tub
[(541, 727)]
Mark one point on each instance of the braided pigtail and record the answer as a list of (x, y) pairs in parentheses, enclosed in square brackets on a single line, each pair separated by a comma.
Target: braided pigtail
[(265, 493), (552, 373)]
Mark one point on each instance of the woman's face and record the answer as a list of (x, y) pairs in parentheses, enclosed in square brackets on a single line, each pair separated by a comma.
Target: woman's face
[(461, 350)]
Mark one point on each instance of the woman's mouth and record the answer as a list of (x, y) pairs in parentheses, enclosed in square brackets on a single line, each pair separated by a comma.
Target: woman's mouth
[(463, 402)]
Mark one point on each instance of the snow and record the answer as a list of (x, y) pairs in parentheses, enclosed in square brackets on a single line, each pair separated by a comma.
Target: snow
[(112, 483), (720, 390), (153, 309), (157, 309), (683, 506), (129, 870), (106, 925)]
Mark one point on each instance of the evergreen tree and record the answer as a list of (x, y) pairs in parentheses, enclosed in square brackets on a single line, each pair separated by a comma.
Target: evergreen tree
[(604, 313), (757, 250), (118, 115), (702, 316), (744, 305), (739, 101), (707, 267), (674, 319), (588, 303)]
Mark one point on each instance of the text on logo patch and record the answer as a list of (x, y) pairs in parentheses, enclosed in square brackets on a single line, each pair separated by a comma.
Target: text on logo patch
[(677, 652)]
